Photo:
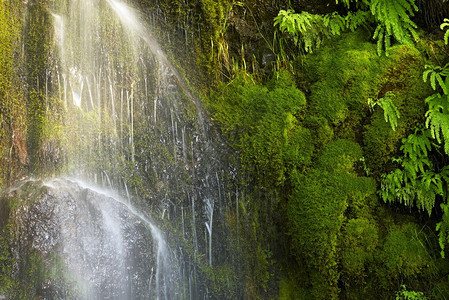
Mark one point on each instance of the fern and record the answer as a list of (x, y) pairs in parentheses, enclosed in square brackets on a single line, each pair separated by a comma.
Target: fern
[(415, 148), (437, 120), (446, 35), (415, 183), (356, 19), (335, 23), (309, 31), (443, 228), (438, 75), (393, 17), (304, 28), (391, 112), (347, 3)]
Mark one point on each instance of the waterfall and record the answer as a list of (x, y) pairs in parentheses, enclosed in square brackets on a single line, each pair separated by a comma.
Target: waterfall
[(133, 130)]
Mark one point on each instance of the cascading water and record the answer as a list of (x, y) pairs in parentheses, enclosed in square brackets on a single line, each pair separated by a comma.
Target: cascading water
[(98, 245), (133, 127)]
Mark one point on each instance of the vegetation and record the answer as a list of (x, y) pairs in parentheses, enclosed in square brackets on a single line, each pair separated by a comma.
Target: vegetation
[(361, 109), (341, 143), (392, 19)]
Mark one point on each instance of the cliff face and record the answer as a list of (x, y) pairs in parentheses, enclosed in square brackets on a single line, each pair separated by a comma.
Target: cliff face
[(297, 161), (298, 212)]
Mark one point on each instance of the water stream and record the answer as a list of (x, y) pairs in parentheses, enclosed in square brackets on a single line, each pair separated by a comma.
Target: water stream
[(133, 128)]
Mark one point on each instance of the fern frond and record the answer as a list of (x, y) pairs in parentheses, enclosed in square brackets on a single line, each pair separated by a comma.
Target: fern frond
[(437, 75), (379, 35), (446, 35), (443, 228), (394, 17), (309, 31), (356, 19), (438, 123), (335, 23), (415, 148), (391, 112), (305, 29)]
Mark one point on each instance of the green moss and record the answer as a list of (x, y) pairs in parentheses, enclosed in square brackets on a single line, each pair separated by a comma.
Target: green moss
[(12, 109), (39, 45), (329, 246), (339, 156), (403, 77), (343, 77), (21, 271), (403, 255), (289, 290), (358, 245), (262, 124), (315, 225), (222, 281)]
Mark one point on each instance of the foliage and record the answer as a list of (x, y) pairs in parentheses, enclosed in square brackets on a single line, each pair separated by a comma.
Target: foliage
[(358, 245), (393, 18), (402, 76), (437, 116), (404, 253), (391, 112), (443, 229), (342, 78), (309, 31), (416, 182), (437, 75), (446, 34), (404, 294)]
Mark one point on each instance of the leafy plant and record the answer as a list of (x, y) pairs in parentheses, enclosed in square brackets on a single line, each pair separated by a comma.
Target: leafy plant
[(404, 294), (356, 19), (437, 116), (437, 119), (437, 74), (446, 35), (391, 112), (305, 29), (309, 31), (393, 18), (416, 182)]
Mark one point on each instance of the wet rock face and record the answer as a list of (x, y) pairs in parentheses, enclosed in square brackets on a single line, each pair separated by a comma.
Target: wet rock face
[(92, 246)]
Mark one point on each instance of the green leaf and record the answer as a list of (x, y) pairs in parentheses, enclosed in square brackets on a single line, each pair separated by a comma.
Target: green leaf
[(432, 80), (391, 112)]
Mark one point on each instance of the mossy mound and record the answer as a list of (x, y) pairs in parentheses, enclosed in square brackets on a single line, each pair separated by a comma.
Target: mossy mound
[(262, 123)]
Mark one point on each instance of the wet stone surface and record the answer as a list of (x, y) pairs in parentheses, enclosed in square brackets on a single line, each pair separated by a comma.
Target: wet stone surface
[(92, 245)]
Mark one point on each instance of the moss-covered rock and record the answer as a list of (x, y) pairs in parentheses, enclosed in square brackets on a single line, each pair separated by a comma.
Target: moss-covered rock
[(262, 123), (403, 77)]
